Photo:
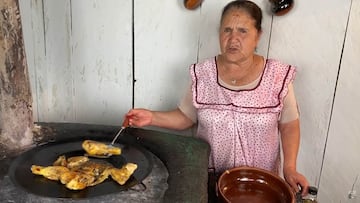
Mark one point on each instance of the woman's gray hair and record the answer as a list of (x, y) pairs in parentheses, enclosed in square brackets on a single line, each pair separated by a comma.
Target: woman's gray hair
[(250, 7)]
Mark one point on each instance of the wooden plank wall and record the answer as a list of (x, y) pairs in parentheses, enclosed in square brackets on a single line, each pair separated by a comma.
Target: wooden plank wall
[(84, 54), (341, 167), (311, 37), (80, 59)]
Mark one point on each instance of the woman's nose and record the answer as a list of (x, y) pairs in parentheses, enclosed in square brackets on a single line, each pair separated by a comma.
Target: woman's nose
[(232, 36)]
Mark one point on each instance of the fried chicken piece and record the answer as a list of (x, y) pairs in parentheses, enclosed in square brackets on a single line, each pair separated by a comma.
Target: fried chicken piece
[(79, 172), (72, 162), (67, 176), (94, 168), (103, 176), (76, 161), (82, 164), (80, 181), (121, 175), (60, 161), (80, 178), (94, 148), (50, 172)]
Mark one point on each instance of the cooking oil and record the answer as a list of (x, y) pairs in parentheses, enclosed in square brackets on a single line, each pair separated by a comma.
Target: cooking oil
[(311, 197)]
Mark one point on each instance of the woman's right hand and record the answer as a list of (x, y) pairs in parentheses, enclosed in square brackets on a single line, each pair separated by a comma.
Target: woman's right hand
[(139, 117), (174, 119)]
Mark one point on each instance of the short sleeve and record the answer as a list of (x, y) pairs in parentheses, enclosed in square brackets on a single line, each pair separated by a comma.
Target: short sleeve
[(290, 109), (186, 106)]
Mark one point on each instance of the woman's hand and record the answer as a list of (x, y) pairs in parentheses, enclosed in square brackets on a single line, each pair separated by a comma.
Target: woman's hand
[(295, 179), (174, 119), (139, 117)]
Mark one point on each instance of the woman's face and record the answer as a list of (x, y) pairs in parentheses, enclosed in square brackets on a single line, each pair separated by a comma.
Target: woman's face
[(238, 36)]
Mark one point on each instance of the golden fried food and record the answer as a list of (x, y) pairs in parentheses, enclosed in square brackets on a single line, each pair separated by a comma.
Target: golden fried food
[(76, 161), (94, 148), (67, 176), (80, 181), (79, 172), (50, 172), (88, 174), (123, 174), (103, 176), (60, 161), (94, 168)]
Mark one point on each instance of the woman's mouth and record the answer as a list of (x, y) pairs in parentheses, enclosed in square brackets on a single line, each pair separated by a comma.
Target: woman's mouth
[(232, 49)]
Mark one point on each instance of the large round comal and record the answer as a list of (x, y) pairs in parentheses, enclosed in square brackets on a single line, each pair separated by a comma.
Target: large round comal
[(249, 184)]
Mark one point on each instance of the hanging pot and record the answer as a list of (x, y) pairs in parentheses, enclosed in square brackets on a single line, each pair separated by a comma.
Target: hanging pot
[(281, 7), (192, 4)]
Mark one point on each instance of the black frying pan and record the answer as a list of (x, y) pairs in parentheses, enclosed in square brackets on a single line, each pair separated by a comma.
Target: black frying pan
[(46, 154)]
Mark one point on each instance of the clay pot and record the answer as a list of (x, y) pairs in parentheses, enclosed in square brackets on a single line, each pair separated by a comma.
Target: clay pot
[(281, 7), (249, 184), (192, 4)]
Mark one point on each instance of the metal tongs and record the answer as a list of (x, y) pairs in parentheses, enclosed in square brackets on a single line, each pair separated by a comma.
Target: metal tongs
[(124, 125)]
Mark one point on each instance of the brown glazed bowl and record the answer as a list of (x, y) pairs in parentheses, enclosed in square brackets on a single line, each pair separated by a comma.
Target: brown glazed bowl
[(249, 184)]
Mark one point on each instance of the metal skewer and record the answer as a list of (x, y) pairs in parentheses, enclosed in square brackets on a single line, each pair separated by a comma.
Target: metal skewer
[(117, 135), (124, 125)]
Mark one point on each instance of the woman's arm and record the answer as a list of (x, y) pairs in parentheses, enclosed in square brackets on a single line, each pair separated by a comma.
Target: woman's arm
[(290, 138), (174, 119)]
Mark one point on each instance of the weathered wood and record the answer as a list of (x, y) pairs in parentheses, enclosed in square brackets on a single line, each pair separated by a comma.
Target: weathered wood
[(300, 38), (340, 181), (16, 121)]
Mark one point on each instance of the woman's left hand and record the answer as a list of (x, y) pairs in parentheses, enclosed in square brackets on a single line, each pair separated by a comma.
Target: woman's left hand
[(295, 179)]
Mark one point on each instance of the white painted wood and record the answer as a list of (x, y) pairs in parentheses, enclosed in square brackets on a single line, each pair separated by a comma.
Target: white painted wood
[(101, 60), (80, 59), (166, 41), (311, 37), (342, 160), (33, 33), (55, 81)]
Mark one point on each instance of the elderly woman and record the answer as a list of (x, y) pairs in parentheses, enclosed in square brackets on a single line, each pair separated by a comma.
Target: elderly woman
[(243, 104)]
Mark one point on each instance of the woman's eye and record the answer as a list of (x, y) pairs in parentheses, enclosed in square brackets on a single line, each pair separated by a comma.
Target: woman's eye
[(227, 30), (241, 30)]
